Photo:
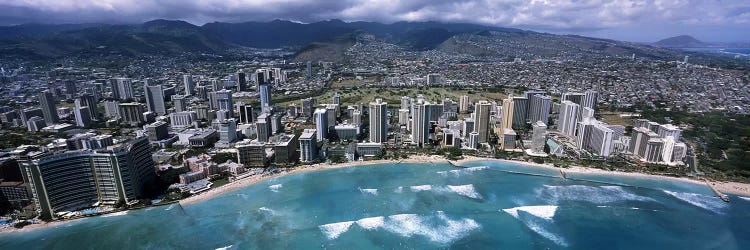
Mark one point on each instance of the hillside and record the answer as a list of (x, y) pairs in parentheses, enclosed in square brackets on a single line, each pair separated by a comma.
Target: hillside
[(683, 41)]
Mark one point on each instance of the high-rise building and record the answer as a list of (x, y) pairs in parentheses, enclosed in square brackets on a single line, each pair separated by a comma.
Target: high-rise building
[(576, 98), (82, 114), (246, 114), (600, 140), (264, 92), (519, 112), (124, 88), (308, 146), (378, 121), (332, 110), (482, 117), (88, 100), (307, 107), (35, 124), (157, 131), (336, 99), (538, 137), (357, 117), (507, 114), (131, 113), (463, 104), (639, 139), (263, 127), (180, 103), (251, 153), (321, 124), (403, 116), (227, 130), (405, 103), (155, 98), (309, 70), (223, 101), (590, 99), (669, 130), (420, 125), (654, 150), (84, 178), (567, 121), (276, 125), (47, 104), (436, 110), (539, 108), (187, 81), (242, 85), (112, 109), (70, 89), (184, 119)]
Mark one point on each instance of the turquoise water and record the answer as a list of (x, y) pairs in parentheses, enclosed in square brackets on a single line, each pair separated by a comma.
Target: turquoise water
[(423, 206)]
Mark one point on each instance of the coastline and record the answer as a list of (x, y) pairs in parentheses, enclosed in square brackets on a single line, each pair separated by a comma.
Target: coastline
[(733, 188)]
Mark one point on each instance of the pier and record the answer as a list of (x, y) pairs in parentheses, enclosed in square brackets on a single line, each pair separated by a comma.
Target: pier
[(718, 193)]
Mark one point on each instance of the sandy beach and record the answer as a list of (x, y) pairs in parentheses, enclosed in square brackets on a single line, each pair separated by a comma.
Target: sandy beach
[(735, 188), (742, 189)]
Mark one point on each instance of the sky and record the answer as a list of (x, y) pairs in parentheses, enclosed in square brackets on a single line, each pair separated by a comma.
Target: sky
[(629, 20)]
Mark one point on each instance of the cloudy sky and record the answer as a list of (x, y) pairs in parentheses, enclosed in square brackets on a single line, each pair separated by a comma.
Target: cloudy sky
[(631, 20)]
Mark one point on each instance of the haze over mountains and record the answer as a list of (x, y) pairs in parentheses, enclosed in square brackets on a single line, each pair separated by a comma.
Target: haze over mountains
[(325, 40)]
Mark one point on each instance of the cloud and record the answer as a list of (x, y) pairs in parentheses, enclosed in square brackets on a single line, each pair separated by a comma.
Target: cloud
[(553, 15)]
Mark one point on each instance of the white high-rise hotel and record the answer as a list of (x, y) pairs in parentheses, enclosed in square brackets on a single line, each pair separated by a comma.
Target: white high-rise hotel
[(378, 121)]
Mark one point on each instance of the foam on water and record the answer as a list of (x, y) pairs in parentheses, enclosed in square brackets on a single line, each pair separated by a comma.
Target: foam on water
[(115, 214), (225, 248), (546, 234), (594, 194), (465, 190), (371, 223), (709, 203), (265, 209), (460, 171), (399, 189), (744, 198), (371, 191), (275, 187), (544, 212), (334, 230), (408, 225), (421, 188), (437, 228), (169, 208)]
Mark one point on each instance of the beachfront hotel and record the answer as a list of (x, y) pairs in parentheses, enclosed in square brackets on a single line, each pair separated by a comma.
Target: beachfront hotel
[(85, 178)]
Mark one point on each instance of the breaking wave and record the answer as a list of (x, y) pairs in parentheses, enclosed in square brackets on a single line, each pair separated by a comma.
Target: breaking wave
[(115, 214), (462, 170), (465, 190), (593, 194), (744, 198), (421, 188), (225, 248), (709, 203), (371, 191), (334, 230), (275, 187), (437, 228), (399, 189), (544, 212)]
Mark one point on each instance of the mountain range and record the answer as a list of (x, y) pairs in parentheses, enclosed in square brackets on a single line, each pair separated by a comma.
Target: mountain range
[(325, 40)]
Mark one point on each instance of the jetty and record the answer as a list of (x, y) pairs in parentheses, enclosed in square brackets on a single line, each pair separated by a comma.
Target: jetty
[(718, 193)]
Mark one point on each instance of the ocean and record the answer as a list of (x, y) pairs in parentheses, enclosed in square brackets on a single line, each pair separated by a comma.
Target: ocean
[(490, 205)]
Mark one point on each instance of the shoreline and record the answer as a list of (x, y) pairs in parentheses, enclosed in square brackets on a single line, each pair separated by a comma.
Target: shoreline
[(732, 188)]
